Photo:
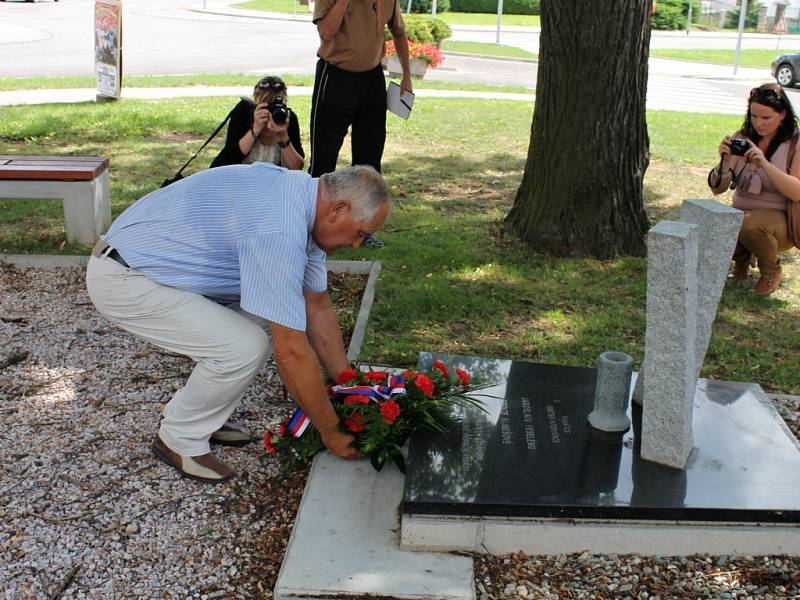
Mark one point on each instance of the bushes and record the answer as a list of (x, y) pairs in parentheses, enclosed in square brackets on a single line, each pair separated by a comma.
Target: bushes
[(750, 18), (427, 30), (671, 14), (510, 7), (425, 6)]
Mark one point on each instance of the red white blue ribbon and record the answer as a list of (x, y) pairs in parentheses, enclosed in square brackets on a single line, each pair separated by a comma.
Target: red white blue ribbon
[(395, 385), (376, 393), (298, 423)]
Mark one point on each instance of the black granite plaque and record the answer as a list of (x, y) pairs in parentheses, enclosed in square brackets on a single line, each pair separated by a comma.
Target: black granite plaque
[(533, 453)]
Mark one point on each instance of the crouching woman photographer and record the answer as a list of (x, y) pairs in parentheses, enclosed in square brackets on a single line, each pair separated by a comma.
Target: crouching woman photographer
[(263, 130), (761, 165)]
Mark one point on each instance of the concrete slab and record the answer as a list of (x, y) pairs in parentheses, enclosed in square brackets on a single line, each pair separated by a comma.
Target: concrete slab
[(345, 542), (553, 536)]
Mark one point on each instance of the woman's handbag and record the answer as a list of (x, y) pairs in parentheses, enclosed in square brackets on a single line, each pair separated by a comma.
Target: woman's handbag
[(793, 212), (179, 175)]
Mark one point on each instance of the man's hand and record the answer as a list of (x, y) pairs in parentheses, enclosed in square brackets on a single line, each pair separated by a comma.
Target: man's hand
[(405, 83), (339, 444)]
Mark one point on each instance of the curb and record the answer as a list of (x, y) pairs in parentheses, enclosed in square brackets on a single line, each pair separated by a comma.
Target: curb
[(486, 57), (357, 267)]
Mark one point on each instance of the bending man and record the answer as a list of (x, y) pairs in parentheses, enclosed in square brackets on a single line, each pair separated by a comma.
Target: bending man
[(201, 266)]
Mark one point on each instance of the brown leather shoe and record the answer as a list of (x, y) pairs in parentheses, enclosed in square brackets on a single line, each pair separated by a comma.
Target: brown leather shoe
[(740, 270), (231, 435), (768, 283), (205, 467)]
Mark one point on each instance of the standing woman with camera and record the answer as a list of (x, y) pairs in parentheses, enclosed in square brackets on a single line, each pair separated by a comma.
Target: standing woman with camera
[(761, 165), (263, 130)]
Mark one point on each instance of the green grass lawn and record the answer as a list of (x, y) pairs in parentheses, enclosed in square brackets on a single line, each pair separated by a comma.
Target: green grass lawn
[(485, 49), (452, 18), (747, 58), (454, 279), (223, 79)]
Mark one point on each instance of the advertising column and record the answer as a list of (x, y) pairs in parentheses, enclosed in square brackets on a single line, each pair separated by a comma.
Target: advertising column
[(108, 48)]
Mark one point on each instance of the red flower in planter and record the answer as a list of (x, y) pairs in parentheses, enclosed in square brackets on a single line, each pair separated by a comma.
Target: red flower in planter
[(390, 410), (464, 376), (427, 52), (408, 374)]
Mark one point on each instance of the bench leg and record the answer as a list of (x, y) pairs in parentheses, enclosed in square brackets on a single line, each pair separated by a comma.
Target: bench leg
[(87, 210)]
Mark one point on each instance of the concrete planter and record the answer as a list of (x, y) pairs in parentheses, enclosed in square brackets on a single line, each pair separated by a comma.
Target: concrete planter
[(416, 65)]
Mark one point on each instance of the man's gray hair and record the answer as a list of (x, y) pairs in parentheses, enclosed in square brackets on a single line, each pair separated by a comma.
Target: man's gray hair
[(362, 187)]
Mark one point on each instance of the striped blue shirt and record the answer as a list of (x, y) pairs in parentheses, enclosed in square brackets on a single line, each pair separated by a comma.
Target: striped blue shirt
[(237, 233)]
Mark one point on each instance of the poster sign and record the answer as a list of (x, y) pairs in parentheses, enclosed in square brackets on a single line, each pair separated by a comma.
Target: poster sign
[(108, 47)]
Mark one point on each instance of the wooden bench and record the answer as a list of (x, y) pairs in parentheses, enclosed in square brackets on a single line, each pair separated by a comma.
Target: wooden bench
[(82, 183)]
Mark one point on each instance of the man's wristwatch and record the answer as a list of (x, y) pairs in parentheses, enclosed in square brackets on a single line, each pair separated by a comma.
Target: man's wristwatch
[(283, 145)]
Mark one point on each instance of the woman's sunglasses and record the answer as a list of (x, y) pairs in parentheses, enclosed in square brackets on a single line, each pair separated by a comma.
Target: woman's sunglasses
[(271, 84)]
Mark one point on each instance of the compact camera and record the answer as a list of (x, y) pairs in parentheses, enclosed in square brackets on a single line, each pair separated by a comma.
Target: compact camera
[(739, 146)]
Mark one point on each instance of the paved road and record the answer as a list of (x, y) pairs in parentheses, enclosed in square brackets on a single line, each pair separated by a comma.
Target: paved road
[(206, 36)]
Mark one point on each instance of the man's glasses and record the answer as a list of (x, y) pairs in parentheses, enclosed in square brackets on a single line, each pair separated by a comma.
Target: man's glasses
[(271, 84)]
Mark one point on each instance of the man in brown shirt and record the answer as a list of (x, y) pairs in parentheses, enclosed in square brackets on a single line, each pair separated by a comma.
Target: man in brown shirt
[(349, 88)]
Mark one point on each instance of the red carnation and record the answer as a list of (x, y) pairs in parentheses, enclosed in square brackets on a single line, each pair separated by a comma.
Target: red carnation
[(464, 376), (390, 410), (424, 383), (376, 376), (282, 430), (437, 364), (356, 399), (268, 444), (346, 375), (408, 374), (354, 423)]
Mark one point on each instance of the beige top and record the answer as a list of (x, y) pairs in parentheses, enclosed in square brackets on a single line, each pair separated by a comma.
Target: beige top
[(359, 44), (754, 189)]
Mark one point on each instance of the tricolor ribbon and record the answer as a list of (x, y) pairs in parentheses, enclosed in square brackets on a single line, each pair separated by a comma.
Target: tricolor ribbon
[(395, 385), (298, 423), (376, 393)]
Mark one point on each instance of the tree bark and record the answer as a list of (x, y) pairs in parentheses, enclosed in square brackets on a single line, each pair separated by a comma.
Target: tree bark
[(581, 193)]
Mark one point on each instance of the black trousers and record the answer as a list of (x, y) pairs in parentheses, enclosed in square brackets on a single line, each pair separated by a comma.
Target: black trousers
[(345, 99)]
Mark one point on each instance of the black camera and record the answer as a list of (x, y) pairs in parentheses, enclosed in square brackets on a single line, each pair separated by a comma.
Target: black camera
[(739, 146), (279, 111), (277, 108)]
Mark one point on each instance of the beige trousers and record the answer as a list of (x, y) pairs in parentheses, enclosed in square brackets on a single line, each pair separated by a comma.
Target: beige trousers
[(228, 345), (764, 234)]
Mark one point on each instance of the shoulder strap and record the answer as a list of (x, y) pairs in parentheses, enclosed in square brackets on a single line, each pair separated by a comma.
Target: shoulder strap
[(792, 150), (211, 137)]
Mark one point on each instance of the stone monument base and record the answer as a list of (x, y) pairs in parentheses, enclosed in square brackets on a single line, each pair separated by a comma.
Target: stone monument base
[(531, 474)]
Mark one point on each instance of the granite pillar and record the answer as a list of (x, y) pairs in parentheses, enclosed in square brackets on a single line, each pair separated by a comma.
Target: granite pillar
[(670, 365), (718, 230)]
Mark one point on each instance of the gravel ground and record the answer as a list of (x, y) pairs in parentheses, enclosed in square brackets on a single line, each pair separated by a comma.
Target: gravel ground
[(86, 511)]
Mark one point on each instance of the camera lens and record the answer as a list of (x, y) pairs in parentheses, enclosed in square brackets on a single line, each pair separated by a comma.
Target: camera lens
[(279, 115)]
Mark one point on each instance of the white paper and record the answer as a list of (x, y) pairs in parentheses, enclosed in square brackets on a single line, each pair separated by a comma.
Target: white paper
[(397, 103)]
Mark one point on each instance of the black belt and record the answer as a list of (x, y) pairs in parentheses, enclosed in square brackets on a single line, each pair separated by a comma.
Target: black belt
[(103, 248), (114, 255)]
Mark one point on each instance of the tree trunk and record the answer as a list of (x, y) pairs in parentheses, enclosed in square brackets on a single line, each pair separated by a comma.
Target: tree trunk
[(581, 193)]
